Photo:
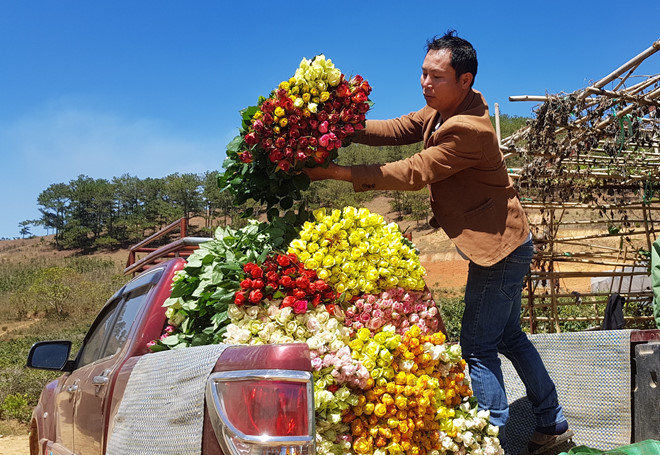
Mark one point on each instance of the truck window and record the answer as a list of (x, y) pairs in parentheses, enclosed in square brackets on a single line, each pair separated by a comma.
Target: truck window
[(125, 317), (94, 344), (111, 328)]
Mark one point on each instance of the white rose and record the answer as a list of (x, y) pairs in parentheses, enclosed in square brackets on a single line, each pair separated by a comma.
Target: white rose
[(252, 312)]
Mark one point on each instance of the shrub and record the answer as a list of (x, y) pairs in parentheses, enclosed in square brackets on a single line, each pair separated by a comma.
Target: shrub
[(17, 407)]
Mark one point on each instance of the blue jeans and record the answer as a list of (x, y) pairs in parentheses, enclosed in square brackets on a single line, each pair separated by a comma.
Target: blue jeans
[(491, 324)]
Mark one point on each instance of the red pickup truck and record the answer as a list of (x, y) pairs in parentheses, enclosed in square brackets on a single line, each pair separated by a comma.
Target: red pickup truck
[(75, 413)]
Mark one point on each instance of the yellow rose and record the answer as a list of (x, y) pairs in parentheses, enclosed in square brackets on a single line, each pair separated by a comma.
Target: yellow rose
[(334, 77)]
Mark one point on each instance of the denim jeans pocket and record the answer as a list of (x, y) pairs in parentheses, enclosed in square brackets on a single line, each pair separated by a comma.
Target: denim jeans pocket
[(515, 267)]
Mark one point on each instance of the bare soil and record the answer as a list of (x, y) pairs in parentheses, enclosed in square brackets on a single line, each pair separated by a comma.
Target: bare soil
[(15, 445)]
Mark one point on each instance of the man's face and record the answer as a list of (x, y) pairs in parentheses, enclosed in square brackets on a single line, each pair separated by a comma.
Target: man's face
[(439, 85)]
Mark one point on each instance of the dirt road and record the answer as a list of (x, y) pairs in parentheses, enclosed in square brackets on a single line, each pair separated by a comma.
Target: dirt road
[(14, 445)]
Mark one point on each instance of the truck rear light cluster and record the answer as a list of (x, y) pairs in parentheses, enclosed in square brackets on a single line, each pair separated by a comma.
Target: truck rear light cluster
[(262, 412)]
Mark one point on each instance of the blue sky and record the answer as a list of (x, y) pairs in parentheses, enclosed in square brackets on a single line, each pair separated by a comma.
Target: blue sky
[(150, 88)]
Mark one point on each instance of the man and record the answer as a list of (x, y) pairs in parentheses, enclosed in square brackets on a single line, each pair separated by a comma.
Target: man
[(474, 201)]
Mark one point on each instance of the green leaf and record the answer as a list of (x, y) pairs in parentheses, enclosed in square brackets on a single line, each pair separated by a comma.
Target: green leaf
[(236, 144), (290, 218), (286, 203), (272, 213), (171, 340), (219, 318), (301, 181)]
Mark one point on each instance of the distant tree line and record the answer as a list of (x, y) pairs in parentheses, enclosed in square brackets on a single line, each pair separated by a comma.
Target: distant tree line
[(88, 213)]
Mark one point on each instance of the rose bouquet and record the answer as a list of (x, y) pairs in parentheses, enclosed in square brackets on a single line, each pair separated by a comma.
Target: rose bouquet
[(303, 123)]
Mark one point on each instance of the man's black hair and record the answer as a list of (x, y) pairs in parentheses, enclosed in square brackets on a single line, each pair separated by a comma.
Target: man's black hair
[(463, 55)]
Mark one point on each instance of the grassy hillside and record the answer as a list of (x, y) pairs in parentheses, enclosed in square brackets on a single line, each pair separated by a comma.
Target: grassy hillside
[(44, 294)]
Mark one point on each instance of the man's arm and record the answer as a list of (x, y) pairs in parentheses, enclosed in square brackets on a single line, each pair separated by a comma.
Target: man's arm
[(333, 172)]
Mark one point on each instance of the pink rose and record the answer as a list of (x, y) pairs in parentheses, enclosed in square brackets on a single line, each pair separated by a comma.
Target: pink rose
[(300, 306)]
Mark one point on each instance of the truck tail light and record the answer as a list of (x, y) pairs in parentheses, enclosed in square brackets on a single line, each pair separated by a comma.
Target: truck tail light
[(262, 412)]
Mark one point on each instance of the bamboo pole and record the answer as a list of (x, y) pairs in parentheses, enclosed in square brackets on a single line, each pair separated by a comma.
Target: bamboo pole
[(655, 47), (497, 124)]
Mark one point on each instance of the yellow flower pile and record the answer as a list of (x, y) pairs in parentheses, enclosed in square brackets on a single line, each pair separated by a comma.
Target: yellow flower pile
[(409, 407), (356, 252)]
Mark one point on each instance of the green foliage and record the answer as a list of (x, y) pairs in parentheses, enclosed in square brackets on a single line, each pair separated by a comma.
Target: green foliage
[(259, 180), (92, 214), (411, 204), (17, 407), (451, 309), (509, 124), (19, 384), (203, 290), (71, 287), (87, 281)]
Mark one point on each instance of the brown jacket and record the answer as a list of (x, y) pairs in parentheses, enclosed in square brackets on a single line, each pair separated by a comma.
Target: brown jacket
[(472, 196)]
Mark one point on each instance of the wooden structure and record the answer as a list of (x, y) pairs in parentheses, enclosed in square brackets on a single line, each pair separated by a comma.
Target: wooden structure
[(588, 172)]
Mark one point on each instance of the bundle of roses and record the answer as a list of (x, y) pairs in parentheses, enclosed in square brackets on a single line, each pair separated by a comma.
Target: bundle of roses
[(284, 277), (303, 123)]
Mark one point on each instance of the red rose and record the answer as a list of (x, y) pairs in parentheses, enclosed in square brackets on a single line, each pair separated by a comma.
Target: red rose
[(267, 143), (302, 282), (239, 298), (284, 165), (359, 97), (299, 294), (245, 156), (286, 281), (271, 276), (267, 106), (331, 308), (275, 156), (258, 125), (356, 80), (250, 268), (288, 301), (258, 283), (256, 296), (283, 261), (280, 142), (246, 284), (343, 90), (256, 272), (366, 87), (251, 138)]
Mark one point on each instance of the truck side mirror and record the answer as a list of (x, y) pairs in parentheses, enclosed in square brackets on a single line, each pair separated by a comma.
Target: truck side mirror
[(50, 355)]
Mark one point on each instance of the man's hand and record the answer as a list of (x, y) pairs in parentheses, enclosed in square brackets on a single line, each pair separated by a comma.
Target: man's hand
[(333, 172)]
